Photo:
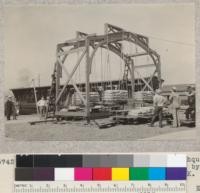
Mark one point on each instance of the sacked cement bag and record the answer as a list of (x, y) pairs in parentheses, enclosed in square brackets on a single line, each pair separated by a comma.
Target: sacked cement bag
[(113, 96), (143, 96), (94, 98)]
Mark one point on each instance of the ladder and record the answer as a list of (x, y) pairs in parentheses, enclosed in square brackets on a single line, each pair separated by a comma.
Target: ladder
[(125, 75), (51, 108)]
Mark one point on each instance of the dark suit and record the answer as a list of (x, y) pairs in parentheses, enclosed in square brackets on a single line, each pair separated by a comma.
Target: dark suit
[(9, 108)]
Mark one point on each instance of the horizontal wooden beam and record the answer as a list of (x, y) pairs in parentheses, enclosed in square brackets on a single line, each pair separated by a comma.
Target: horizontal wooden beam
[(71, 51), (144, 65), (138, 54)]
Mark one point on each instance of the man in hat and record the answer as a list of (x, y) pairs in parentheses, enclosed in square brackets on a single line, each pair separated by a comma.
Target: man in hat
[(41, 104), (9, 107), (175, 106), (158, 102), (190, 111)]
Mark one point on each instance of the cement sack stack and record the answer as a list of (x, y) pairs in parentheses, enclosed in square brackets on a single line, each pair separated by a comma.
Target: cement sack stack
[(94, 98), (143, 96), (114, 96)]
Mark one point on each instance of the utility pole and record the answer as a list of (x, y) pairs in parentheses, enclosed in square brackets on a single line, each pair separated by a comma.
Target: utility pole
[(38, 80), (35, 94)]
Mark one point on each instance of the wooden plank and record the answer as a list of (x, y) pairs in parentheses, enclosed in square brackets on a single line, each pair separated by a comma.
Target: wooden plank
[(145, 65), (71, 51), (41, 121), (139, 54)]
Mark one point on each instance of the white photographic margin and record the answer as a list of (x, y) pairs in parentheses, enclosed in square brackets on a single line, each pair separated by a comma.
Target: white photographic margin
[(97, 146)]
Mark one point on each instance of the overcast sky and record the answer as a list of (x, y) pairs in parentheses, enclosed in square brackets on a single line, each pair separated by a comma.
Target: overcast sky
[(32, 33)]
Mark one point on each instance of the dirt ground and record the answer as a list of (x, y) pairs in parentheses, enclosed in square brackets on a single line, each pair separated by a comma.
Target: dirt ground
[(21, 130)]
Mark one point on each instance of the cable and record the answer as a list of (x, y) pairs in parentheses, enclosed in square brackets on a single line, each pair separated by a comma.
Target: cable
[(172, 41)]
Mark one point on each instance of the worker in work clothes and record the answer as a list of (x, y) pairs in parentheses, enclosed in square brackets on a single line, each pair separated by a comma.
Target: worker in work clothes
[(9, 107), (190, 111), (174, 99), (42, 106), (158, 102)]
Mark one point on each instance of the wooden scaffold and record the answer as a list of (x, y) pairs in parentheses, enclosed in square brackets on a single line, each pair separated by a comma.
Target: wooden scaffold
[(86, 45)]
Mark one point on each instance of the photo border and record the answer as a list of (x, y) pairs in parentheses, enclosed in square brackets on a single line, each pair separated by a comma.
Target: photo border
[(98, 146)]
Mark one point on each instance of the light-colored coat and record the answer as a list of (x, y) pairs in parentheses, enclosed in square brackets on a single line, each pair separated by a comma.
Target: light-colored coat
[(174, 100)]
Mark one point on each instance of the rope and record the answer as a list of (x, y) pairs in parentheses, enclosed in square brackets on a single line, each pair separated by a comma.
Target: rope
[(94, 71), (121, 63), (108, 64), (105, 71), (101, 69), (79, 73), (120, 72)]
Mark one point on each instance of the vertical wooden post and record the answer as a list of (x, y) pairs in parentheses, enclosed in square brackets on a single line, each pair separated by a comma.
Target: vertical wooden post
[(87, 80), (35, 95), (132, 80), (159, 72), (57, 84)]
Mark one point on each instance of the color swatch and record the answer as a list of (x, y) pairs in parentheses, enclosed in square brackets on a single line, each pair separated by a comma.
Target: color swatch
[(83, 174), (139, 173), (121, 167), (120, 174), (104, 174), (64, 174)]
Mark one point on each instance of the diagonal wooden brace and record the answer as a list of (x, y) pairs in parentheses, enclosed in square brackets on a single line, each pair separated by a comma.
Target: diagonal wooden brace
[(75, 87), (146, 83), (69, 75)]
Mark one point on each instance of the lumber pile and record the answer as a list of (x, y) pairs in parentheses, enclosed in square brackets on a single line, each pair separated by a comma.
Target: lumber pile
[(115, 96), (142, 112), (146, 112)]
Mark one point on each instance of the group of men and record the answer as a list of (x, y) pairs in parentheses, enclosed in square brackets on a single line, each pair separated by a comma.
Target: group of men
[(173, 104), (11, 108)]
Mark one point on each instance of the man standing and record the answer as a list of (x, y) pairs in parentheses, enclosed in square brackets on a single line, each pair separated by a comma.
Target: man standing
[(175, 106), (9, 107), (41, 104), (158, 102), (190, 111)]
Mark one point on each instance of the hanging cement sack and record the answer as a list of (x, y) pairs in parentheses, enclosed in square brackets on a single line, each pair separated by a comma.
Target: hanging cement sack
[(115, 96), (94, 98)]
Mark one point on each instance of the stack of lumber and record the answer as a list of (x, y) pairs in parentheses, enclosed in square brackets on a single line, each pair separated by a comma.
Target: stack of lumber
[(141, 112), (94, 98), (146, 112), (115, 96)]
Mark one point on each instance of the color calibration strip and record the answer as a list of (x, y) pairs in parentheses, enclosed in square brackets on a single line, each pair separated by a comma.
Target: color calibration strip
[(100, 167)]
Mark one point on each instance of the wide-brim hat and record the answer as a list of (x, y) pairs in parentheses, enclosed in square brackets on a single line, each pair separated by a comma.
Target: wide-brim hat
[(174, 88), (158, 91)]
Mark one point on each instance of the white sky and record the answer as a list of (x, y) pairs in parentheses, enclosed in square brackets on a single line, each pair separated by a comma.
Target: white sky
[(32, 33)]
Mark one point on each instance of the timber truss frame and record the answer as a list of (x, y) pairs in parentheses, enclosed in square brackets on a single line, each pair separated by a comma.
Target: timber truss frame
[(88, 45)]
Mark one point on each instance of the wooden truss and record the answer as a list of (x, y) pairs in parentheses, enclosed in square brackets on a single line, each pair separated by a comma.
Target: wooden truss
[(88, 44)]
